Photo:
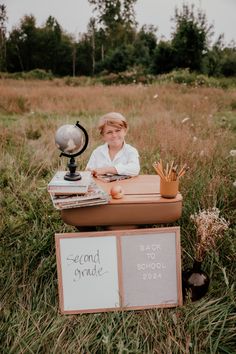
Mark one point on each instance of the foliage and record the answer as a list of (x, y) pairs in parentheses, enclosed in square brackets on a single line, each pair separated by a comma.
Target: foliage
[(185, 77), (190, 38), (113, 43), (228, 62), (117, 61), (3, 20), (79, 81), (83, 61), (111, 13), (38, 74), (117, 20), (144, 46), (126, 77), (47, 48), (3, 15), (24, 44), (163, 58)]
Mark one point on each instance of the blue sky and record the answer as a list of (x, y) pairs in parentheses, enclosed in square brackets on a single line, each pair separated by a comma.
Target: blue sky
[(73, 15)]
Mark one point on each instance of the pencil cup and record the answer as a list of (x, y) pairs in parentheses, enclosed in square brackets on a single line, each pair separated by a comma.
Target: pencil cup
[(169, 189)]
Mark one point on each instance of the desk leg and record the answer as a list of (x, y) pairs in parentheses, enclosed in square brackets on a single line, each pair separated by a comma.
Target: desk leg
[(86, 228), (121, 227)]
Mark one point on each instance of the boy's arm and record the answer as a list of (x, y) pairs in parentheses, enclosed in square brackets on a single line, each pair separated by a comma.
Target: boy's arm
[(104, 170), (132, 167)]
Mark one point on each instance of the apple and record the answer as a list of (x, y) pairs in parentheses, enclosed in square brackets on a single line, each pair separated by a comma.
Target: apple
[(117, 192)]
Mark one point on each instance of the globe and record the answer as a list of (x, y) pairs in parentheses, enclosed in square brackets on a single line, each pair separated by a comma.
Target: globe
[(72, 140), (69, 139)]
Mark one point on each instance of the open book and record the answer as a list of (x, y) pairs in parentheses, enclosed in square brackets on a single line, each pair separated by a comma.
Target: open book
[(111, 177)]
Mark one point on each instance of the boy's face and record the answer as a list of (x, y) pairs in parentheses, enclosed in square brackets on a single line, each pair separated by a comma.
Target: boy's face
[(114, 136)]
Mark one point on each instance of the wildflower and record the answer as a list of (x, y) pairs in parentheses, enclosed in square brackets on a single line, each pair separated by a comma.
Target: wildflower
[(210, 228), (185, 120), (232, 153), (202, 153), (155, 96)]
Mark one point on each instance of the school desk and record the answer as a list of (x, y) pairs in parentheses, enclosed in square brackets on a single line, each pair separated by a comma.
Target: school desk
[(141, 204)]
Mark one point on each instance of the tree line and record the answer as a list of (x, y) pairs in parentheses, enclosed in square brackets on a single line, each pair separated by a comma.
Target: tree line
[(113, 43)]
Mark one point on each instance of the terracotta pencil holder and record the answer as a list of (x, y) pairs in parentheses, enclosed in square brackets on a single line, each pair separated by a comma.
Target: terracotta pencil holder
[(169, 189)]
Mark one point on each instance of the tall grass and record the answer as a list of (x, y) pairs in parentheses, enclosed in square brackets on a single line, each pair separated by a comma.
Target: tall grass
[(30, 113)]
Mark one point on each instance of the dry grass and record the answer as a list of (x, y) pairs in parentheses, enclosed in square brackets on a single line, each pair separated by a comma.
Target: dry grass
[(54, 97), (30, 113)]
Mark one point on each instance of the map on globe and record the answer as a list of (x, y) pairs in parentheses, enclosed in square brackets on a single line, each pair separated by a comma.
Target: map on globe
[(69, 139)]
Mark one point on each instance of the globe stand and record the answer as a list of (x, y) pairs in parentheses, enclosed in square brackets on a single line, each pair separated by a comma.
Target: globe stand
[(72, 175)]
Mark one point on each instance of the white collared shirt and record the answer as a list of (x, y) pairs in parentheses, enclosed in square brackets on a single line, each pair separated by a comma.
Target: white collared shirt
[(126, 161)]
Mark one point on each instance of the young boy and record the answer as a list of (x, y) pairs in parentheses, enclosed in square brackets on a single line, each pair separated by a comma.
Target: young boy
[(114, 156)]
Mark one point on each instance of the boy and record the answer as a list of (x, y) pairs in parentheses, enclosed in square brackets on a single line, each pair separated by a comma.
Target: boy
[(114, 156)]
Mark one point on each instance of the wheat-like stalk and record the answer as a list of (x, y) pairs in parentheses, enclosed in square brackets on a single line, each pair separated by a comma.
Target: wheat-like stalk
[(210, 227)]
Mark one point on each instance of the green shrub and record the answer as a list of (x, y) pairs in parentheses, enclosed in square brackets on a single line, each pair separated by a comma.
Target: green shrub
[(38, 74), (228, 64), (79, 81), (127, 77), (186, 77)]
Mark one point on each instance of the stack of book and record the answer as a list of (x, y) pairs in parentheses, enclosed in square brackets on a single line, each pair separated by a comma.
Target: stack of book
[(74, 194)]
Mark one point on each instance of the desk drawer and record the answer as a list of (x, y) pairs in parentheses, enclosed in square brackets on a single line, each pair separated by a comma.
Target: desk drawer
[(124, 214)]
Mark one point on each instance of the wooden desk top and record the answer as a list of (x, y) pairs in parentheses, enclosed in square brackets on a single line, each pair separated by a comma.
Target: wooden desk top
[(141, 189), (141, 204)]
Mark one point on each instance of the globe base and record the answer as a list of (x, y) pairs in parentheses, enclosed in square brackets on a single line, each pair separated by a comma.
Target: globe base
[(72, 176)]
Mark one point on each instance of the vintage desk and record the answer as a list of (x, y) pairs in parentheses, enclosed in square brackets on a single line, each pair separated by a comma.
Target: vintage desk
[(141, 204)]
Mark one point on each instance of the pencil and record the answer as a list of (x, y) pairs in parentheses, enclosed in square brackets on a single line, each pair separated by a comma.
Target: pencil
[(159, 171), (170, 174), (183, 172), (182, 169)]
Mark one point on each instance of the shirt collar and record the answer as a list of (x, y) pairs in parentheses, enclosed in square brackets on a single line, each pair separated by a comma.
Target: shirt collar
[(106, 150), (106, 146)]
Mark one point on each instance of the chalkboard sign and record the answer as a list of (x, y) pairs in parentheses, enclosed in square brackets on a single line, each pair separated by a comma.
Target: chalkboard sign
[(119, 270)]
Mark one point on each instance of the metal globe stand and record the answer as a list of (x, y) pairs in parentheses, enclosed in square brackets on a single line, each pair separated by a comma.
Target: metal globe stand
[(73, 175)]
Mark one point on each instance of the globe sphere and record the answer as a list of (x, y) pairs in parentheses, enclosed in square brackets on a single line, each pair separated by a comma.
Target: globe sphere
[(69, 139)]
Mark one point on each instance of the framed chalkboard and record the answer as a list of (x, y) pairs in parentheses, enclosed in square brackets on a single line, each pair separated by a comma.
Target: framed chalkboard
[(119, 270)]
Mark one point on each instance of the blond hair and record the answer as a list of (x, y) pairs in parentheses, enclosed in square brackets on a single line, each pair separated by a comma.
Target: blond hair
[(114, 119)]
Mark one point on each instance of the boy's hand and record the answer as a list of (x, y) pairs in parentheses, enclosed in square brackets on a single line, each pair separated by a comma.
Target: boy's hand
[(103, 171)]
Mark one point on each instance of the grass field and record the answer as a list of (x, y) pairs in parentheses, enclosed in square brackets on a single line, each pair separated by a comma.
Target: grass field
[(196, 125)]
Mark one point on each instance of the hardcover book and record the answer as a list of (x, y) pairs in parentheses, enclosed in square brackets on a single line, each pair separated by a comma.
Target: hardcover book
[(95, 195), (58, 185)]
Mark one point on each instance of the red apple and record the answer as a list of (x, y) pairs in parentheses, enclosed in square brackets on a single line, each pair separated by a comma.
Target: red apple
[(117, 192)]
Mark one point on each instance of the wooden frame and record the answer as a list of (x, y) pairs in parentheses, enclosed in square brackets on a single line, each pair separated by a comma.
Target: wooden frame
[(119, 270)]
